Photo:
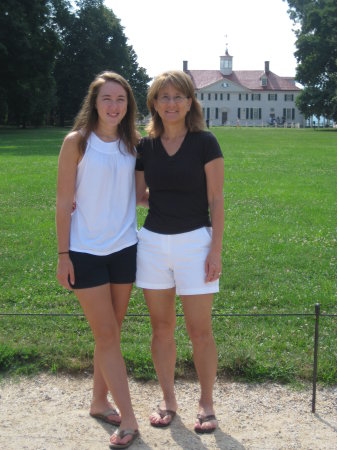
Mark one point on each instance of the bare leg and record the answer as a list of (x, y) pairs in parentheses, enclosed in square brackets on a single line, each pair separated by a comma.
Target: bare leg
[(97, 306), (197, 311), (161, 304), (120, 295)]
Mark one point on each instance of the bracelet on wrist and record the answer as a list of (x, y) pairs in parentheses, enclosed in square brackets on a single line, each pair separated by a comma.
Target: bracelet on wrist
[(63, 253)]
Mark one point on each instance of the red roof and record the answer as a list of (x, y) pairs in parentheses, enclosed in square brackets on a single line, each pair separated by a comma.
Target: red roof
[(249, 79)]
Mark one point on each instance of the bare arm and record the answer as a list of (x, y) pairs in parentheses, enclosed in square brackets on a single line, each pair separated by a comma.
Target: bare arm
[(66, 178), (142, 194), (215, 179)]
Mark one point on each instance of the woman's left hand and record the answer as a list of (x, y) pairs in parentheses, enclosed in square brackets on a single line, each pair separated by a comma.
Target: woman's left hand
[(214, 175), (213, 266)]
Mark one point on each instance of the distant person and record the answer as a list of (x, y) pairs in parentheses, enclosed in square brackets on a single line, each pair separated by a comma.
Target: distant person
[(180, 244), (207, 123), (97, 239)]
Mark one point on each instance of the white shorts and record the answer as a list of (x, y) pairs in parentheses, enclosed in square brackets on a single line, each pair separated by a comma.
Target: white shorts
[(165, 261)]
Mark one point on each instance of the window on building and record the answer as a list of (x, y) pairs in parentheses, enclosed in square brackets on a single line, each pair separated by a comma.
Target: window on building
[(289, 97), (202, 96), (247, 96), (209, 96), (221, 96), (228, 96), (272, 97), (215, 96), (243, 113), (208, 114), (256, 96), (216, 113), (239, 96), (289, 114), (255, 113)]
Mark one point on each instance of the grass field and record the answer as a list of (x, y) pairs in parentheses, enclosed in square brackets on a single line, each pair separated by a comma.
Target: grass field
[(279, 257)]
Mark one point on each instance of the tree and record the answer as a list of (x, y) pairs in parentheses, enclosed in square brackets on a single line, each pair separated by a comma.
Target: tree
[(138, 80), (93, 40), (50, 50), (316, 55), (27, 53)]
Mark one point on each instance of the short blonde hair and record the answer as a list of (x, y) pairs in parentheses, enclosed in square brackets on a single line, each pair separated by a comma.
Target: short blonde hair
[(182, 82)]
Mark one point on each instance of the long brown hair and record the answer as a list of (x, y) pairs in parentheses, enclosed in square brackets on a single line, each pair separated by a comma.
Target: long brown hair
[(87, 118), (194, 119)]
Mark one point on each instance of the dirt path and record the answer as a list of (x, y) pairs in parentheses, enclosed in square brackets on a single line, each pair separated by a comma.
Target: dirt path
[(51, 412)]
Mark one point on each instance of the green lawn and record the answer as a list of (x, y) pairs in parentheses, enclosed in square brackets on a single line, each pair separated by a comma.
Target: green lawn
[(279, 257)]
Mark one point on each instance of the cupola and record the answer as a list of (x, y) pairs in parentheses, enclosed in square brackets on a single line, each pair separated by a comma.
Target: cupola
[(226, 62), (264, 76)]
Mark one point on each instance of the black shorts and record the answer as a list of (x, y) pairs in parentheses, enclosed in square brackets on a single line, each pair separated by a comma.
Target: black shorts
[(92, 270)]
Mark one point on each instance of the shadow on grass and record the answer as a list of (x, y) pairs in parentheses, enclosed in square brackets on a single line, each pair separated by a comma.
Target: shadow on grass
[(32, 142)]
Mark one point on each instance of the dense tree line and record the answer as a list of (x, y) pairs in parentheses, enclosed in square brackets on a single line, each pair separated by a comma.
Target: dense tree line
[(316, 55), (49, 53)]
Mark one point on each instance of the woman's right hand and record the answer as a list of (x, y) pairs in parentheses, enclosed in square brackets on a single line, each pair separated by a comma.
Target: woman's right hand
[(65, 271)]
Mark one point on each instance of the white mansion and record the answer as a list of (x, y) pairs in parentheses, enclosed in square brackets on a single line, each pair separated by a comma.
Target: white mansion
[(246, 97)]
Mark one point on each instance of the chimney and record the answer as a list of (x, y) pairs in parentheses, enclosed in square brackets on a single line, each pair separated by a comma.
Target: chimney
[(185, 66), (266, 67)]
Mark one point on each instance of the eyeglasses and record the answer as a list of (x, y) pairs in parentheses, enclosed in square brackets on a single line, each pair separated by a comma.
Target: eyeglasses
[(176, 99)]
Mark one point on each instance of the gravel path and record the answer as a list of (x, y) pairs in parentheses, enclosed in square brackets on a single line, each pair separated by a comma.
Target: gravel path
[(51, 412)]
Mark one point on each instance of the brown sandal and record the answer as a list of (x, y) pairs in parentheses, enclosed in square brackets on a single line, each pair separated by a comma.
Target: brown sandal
[(202, 419), (105, 417), (121, 434), (163, 413)]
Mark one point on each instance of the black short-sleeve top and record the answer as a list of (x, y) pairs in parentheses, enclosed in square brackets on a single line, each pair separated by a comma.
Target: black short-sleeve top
[(177, 184)]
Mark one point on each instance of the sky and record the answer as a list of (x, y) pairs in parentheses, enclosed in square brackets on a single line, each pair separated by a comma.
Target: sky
[(165, 33)]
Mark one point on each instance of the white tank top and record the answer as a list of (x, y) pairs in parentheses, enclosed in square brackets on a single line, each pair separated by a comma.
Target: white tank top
[(104, 220)]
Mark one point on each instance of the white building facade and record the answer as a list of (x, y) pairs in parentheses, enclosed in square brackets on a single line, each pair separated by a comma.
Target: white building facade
[(246, 97)]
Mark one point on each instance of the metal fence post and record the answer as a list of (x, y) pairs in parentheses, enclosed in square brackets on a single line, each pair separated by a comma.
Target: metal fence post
[(314, 377)]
